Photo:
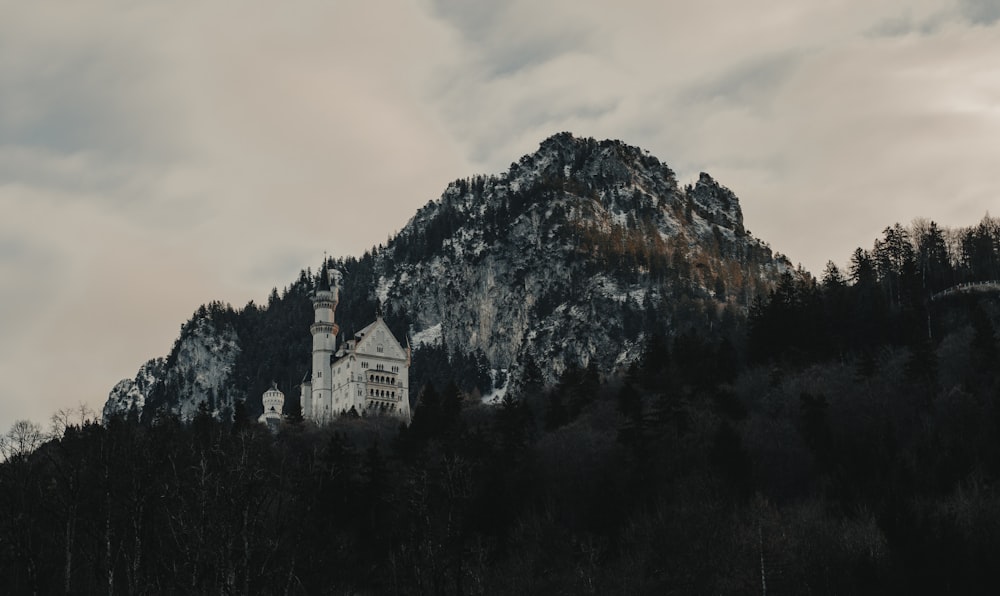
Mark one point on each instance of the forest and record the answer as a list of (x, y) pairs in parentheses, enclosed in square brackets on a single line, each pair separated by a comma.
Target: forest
[(846, 441)]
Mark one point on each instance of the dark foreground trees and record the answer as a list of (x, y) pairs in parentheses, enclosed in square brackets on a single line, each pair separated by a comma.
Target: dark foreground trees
[(844, 476)]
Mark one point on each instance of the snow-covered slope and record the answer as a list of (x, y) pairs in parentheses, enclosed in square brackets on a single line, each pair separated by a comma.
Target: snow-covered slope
[(128, 397), (575, 254), (199, 368)]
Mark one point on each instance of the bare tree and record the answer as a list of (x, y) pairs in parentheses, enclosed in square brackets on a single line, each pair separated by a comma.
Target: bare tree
[(21, 440), (64, 418)]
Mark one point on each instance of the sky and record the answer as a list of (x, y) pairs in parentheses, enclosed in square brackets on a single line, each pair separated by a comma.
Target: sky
[(155, 156)]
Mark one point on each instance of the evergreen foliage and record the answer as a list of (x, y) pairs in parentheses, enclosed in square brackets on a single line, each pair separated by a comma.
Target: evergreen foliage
[(678, 478)]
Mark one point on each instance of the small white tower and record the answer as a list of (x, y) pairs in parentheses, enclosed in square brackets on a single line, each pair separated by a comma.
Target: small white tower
[(324, 331), (273, 401)]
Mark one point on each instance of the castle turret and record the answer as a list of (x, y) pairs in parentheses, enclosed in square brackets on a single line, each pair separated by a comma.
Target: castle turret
[(324, 331), (274, 402)]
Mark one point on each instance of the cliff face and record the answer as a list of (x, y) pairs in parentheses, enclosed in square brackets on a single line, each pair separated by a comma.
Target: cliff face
[(573, 256), (199, 369)]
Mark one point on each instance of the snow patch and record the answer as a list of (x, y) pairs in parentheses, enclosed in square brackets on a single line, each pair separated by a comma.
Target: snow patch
[(382, 289), (430, 336), (496, 395)]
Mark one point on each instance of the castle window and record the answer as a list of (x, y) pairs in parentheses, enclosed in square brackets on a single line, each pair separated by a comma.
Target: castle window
[(379, 348)]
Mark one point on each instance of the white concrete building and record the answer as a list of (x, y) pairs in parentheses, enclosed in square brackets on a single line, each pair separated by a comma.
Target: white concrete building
[(368, 373)]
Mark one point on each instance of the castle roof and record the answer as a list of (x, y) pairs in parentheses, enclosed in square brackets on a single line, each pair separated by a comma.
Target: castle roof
[(361, 334)]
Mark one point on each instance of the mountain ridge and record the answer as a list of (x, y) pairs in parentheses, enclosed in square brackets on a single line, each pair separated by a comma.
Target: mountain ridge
[(575, 255)]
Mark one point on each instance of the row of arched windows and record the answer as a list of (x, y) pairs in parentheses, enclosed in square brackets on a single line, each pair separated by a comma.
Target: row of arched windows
[(381, 406), (381, 379), (382, 393)]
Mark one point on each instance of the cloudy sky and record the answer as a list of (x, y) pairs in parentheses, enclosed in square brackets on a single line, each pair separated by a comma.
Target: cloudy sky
[(155, 156)]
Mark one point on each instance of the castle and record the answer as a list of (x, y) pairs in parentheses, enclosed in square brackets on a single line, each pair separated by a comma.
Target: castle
[(367, 374)]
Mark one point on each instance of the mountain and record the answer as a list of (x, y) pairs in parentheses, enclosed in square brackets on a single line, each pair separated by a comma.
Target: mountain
[(574, 257)]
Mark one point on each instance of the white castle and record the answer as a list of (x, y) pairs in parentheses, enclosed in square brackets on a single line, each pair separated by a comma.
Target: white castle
[(368, 374)]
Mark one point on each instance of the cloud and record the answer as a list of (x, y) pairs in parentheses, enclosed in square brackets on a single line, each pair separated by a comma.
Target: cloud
[(509, 37), (752, 84), (981, 12)]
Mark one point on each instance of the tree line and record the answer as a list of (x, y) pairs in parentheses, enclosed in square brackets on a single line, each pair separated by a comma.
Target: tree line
[(843, 445)]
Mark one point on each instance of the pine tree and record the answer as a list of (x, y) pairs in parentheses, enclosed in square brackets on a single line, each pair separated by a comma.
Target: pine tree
[(556, 414)]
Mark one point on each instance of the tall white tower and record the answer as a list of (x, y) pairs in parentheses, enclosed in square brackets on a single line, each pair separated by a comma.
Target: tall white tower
[(324, 331)]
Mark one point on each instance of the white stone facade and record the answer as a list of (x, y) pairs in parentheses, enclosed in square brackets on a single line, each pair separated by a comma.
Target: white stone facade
[(369, 373)]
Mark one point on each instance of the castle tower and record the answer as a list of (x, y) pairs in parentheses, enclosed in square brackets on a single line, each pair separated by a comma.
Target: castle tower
[(324, 331), (274, 402)]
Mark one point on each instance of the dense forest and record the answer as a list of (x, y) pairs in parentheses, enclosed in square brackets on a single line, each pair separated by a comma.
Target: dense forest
[(847, 442)]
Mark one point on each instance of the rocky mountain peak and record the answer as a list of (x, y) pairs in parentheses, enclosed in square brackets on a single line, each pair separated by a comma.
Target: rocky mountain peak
[(718, 200), (573, 257), (607, 163)]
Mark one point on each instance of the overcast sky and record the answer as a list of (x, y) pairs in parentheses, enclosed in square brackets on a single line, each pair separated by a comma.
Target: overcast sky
[(155, 156)]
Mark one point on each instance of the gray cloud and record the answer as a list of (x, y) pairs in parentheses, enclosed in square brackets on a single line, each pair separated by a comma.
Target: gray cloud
[(981, 12), (753, 83), (508, 37)]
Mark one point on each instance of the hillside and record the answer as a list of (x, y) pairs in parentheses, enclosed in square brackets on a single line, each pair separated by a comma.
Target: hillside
[(572, 258), (853, 450)]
